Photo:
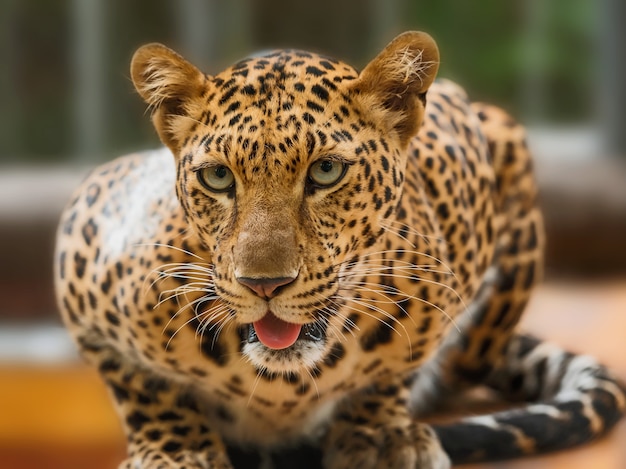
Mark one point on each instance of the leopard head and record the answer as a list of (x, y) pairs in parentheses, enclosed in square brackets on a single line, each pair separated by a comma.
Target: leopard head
[(288, 166)]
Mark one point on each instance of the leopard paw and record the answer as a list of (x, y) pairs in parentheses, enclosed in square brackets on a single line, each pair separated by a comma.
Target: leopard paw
[(412, 446)]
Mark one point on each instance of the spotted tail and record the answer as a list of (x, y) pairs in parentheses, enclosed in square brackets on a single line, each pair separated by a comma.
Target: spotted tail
[(570, 399)]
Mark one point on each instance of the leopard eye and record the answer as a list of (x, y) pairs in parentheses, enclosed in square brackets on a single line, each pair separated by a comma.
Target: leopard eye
[(326, 172), (216, 178)]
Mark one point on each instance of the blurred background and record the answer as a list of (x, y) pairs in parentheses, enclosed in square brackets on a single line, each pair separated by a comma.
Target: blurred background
[(67, 103)]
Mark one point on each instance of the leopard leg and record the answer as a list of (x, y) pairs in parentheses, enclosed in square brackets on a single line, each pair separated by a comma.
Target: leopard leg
[(572, 400), (165, 425), (373, 429)]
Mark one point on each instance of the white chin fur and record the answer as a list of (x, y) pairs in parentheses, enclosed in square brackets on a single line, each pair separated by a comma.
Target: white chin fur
[(303, 354)]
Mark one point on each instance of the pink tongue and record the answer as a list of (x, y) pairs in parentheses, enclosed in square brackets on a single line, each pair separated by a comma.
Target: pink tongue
[(276, 333)]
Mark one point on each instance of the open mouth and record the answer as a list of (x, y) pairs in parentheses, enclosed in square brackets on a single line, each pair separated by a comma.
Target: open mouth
[(277, 334)]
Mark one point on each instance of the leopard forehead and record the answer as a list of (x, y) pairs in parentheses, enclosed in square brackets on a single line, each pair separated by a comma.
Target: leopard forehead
[(273, 112), (279, 77), (289, 64)]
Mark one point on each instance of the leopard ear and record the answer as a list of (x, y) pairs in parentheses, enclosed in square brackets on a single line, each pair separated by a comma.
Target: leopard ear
[(171, 87), (394, 84)]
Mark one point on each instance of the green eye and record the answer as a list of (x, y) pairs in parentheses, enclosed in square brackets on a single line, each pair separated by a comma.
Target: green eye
[(216, 178), (326, 172)]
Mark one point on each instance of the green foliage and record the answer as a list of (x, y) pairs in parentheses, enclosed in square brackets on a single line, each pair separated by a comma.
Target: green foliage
[(506, 52)]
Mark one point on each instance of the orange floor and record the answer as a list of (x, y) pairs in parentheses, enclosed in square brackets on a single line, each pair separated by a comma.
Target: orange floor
[(60, 417)]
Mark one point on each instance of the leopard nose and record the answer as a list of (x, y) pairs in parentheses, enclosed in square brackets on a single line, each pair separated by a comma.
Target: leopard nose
[(265, 288)]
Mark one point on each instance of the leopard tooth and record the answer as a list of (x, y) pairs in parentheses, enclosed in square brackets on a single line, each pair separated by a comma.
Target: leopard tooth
[(313, 332), (252, 337)]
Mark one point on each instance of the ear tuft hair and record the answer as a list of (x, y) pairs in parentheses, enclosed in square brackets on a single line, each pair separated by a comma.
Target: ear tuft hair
[(394, 84), (170, 86)]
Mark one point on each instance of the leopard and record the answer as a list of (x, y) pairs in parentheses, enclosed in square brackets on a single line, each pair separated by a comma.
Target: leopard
[(317, 259)]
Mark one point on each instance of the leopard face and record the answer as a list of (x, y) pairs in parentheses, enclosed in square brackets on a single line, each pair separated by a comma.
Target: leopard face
[(289, 168)]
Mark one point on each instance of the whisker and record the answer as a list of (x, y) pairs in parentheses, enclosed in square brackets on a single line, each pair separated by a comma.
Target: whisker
[(413, 278), (365, 304), (189, 305), (255, 384), (180, 271), (405, 297), (217, 321), (388, 225), (168, 295), (336, 329), (317, 390), (374, 308), (180, 328), (176, 248)]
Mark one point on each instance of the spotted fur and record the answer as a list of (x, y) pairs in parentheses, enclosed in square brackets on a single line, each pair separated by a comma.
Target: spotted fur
[(392, 219)]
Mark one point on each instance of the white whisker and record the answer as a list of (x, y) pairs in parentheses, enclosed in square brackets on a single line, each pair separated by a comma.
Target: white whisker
[(317, 390), (176, 248)]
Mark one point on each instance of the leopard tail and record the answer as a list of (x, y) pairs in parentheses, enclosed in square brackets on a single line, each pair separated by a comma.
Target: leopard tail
[(566, 400)]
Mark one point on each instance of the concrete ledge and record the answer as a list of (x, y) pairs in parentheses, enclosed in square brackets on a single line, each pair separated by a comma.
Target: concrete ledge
[(36, 194)]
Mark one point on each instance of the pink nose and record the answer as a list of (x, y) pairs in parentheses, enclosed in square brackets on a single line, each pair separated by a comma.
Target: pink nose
[(265, 288)]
